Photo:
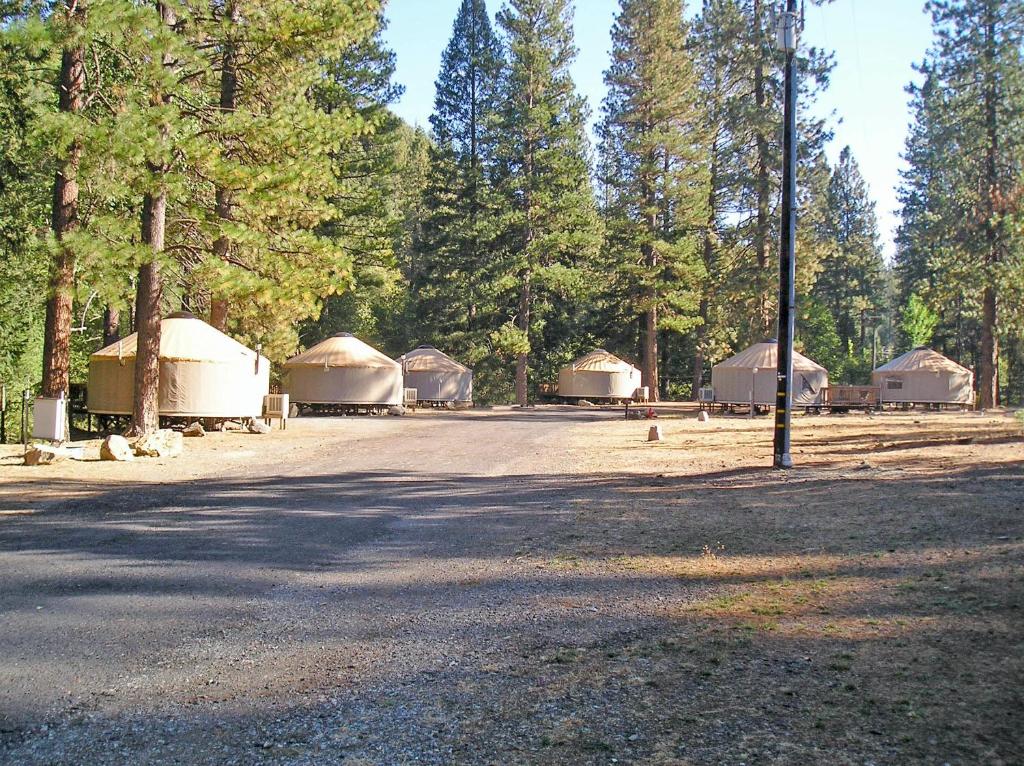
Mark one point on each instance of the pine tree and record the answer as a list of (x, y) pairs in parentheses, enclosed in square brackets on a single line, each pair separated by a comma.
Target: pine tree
[(71, 19), (656, 187), (741, 85), (230, 52), (851, 277), (301, 89), (149, 290), (456, 245), (960, 194), (550, 230), (26, 180), (927, 261), (722, 90)]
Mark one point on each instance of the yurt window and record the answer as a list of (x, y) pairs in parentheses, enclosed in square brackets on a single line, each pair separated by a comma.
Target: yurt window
[(893, 384)]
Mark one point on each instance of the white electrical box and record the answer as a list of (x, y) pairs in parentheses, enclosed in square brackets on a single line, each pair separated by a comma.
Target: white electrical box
[(786, 30), (706, 394), (49, 418)]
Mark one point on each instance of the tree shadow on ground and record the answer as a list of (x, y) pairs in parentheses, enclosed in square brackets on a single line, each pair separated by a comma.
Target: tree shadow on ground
[(769, 585)]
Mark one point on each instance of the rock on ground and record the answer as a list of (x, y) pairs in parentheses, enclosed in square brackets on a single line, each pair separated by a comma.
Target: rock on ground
[(195, 429), (116, 447), (42, 454), (258, 427), (162, 443)]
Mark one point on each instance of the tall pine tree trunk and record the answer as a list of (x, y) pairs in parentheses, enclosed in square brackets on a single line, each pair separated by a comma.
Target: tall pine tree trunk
[(525, 289), (149, 290), (64, 220), (111, 325), (988, 368), (649, 352), (523, 360), (148, 298), (649, 362), (700, 334), (223, 206), (709, 256)]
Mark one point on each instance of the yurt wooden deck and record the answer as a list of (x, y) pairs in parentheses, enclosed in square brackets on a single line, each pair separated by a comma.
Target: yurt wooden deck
[(203, 374), (345, 374)]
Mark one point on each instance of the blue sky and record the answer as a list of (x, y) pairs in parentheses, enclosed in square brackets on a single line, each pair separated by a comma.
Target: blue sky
[(875, 43)]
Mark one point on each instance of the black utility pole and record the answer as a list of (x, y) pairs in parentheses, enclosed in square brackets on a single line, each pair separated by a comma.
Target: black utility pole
[(786, 35)]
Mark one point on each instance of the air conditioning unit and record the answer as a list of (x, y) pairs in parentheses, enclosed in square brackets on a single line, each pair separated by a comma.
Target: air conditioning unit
[(275, 407), (706, 394), (411, 397)]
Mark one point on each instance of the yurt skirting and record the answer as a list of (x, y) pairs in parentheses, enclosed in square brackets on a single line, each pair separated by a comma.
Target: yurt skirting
[(734, 378), (436, 377), (924, 376), (203, 374), (345, 372), (598, 375)]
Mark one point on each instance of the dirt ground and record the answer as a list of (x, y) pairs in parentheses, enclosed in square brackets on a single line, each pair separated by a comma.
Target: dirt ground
[(540, 586)]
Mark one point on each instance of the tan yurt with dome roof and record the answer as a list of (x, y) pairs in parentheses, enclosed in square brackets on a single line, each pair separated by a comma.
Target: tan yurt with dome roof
[(755, 369), (342, 370), (598, 375), (924, 376), (436, 377), (203, 373)]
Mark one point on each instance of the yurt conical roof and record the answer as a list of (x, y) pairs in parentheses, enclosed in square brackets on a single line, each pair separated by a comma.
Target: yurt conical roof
[(429, 359), (342, 350), (600, 360), (765, 355), (183, 338), (922, 359)]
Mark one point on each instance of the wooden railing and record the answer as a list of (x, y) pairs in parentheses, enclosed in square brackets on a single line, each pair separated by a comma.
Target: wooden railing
[(851, 396)]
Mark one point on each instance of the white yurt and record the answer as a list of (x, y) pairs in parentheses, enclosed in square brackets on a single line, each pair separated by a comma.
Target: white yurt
[(203, 373), (598, 375), (734, 378), (343, 370), (436, 376), (924, 376)]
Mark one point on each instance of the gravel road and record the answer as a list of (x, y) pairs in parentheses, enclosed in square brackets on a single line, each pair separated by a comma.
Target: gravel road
[(362, 602)]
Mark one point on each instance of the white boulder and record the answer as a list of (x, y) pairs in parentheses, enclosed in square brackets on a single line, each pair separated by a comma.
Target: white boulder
[(162, 443), (116, 447)]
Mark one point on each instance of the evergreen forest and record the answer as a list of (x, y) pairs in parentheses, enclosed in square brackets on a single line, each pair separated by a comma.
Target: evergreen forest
[(240, 160)]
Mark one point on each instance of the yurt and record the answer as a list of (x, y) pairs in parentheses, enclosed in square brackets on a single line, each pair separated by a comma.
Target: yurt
[(436, 376), (598, 375), (734, 378), (924, 376), (343, 370), (203, 373)]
